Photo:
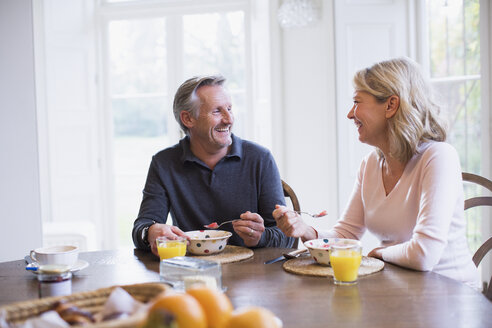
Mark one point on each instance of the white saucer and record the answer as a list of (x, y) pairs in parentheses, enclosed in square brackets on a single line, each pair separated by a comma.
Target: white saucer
[(79, 265)]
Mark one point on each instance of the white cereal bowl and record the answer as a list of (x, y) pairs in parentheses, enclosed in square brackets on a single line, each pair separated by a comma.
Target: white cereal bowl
[(207, 242), (320, 248)]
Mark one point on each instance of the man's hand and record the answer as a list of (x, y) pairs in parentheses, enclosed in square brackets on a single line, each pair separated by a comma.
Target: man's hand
[(292, 225), (249, 228), (159, 229)]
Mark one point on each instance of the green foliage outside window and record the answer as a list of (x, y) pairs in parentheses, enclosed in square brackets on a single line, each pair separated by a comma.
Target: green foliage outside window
[(454, 42)]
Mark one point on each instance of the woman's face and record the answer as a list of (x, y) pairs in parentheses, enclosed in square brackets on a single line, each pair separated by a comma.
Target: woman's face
[(369, 116)]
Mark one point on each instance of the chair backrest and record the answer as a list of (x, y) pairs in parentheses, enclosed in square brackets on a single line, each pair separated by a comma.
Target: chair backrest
[(480, 201), (289, 193)]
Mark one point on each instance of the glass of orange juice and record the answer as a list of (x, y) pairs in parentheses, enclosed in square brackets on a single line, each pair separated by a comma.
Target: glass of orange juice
[(345, 261), (169, 248)]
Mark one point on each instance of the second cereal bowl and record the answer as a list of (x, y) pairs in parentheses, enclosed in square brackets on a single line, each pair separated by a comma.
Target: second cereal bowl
[(207, 242), (320, 248)]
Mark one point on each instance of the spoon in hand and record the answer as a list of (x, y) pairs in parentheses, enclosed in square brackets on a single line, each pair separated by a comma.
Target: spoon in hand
[(214, 225), (320, 214)]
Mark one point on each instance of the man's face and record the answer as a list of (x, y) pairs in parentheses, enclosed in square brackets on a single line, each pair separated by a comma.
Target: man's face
[(212, 127)]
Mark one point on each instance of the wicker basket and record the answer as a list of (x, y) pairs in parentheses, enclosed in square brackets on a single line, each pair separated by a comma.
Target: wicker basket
[(92, 301)]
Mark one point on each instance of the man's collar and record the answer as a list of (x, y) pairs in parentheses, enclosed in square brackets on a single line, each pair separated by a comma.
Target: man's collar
[(187, 154), (236, 149)]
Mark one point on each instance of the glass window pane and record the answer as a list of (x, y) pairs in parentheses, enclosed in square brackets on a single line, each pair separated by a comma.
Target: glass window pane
[(137, 56), (214, 43), (454, 37), (461, 101), (140, 110), (455, 69), (132, 156), (238, 108), (143, 117)]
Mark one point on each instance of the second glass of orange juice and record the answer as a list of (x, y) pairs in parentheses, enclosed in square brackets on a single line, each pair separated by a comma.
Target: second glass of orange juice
[(345, 261), (169, 248)]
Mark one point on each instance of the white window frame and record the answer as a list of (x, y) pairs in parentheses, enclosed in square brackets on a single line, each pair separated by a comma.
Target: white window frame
[(486, 64)]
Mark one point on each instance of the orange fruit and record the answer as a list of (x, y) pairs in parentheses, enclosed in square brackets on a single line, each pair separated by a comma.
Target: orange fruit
[(215, 303), (186, 309), (159, 318), (252, 317)]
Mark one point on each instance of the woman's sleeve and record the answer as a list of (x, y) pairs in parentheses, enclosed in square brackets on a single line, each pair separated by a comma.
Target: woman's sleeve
[(442, 192)]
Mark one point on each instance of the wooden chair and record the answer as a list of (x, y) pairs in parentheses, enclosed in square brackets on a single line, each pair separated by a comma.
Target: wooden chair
[(480, 201), (289, 193)]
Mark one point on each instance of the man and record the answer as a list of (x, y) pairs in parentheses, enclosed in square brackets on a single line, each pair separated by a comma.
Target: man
[(210, 175)]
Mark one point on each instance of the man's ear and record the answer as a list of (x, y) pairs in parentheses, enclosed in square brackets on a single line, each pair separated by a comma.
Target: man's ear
[(187, 119), (393, 103)]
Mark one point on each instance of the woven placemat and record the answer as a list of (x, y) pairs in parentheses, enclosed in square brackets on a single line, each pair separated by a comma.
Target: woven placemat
[(228, 255), (307, 266)]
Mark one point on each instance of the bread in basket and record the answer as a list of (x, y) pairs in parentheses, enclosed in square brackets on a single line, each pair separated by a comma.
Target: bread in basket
[(91, 301)]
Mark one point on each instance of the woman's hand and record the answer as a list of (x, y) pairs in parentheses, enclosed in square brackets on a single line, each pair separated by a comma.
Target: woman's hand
[(292, 225), (376, 252)]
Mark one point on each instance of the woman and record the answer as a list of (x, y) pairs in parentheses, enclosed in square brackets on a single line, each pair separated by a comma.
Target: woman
[(409, 190)]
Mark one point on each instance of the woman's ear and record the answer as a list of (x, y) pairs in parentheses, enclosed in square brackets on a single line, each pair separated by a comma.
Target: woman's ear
[(393, 103), (187, 119)]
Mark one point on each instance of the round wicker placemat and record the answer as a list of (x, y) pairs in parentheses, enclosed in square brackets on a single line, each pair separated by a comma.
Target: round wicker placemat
[(307, 266), (228, 255)]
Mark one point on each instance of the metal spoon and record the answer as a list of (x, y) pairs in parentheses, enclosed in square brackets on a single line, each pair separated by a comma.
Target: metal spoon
[(214, 225), (320, 214)]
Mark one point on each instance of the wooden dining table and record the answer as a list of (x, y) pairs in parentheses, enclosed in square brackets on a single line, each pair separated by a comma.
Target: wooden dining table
[(393, 297)]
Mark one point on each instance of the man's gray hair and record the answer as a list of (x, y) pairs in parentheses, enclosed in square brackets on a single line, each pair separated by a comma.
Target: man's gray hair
[(186, 99)]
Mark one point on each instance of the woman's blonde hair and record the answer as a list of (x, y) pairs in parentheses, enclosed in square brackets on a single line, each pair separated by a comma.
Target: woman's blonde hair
[(417, 119)]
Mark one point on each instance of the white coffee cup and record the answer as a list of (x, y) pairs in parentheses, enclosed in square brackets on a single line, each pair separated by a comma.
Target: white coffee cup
[(64, 255)]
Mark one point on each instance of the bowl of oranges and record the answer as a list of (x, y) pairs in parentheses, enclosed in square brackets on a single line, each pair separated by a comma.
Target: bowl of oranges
[(201, 307)]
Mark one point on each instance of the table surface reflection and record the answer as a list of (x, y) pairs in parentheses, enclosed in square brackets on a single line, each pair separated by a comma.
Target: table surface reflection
[(394, 297)]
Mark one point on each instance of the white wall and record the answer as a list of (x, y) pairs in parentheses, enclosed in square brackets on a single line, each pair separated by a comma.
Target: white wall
[(20, 213), (305, 123)]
